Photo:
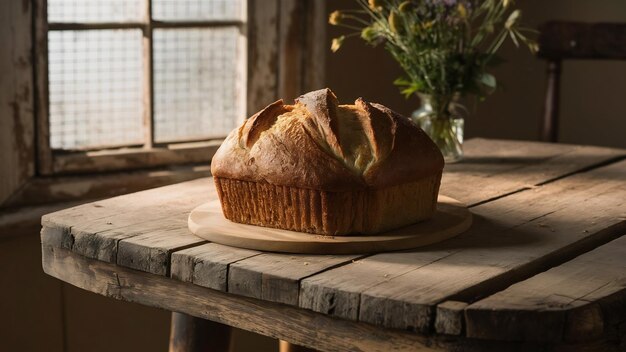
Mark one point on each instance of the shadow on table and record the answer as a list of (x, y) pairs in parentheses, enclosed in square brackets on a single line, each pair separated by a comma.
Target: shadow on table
[(488, 234)]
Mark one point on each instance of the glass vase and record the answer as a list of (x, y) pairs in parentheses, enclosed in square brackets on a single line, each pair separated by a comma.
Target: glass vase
[(445, 127)]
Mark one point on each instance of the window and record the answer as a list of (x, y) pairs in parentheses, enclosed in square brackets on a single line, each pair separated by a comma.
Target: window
[(125, 84), (153, 81)]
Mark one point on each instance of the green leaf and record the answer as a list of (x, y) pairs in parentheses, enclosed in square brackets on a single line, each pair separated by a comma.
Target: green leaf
[(407, 92), (402, 82)]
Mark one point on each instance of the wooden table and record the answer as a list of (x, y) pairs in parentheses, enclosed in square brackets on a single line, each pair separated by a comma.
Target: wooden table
[(542, 267)]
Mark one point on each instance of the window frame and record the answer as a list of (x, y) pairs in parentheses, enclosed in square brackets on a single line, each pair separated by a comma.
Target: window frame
[(270, 43)]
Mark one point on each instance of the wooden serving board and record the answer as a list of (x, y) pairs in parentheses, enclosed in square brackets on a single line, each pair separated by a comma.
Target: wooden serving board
[(207, 221)]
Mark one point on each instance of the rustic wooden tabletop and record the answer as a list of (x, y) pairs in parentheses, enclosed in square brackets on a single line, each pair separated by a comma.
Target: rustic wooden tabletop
[(543, 265)]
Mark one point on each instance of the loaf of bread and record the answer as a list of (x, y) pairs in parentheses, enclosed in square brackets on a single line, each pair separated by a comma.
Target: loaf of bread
[(330, 169)]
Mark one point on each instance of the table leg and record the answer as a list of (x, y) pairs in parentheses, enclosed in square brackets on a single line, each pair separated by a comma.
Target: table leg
[(191, 334), (285, 346)]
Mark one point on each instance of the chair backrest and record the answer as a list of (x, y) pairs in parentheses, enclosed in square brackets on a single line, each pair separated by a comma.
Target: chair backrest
[(560, 41)]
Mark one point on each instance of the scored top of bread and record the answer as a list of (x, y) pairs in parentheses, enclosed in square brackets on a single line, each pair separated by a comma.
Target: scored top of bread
[(319, 144)]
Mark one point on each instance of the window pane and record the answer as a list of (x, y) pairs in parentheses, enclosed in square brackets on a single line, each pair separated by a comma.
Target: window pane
[(95, 88), (180, 10), (196, 83), (96, 10)]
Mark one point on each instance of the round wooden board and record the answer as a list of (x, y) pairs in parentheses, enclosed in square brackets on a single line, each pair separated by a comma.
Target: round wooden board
[(208, 222)]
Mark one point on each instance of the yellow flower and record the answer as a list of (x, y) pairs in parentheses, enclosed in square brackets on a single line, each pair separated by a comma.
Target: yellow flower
[(405, 6), (462, 10), (335, 18), (426, 25), (368, 34), (336, 44), (512, 20), (375, 4), (394, 22)]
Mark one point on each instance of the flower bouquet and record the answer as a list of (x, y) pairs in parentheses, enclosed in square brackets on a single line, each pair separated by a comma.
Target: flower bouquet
[(445, 48)]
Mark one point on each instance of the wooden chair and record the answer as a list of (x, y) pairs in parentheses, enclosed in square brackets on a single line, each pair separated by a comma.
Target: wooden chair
[(560, 41)]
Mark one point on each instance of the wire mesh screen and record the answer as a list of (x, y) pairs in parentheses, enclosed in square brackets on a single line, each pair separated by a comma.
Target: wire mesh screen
[(196, 9), (95, 88), (90, 11), (195, 83)]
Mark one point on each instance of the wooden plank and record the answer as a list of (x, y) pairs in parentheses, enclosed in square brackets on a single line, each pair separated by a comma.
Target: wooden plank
[(148, 76), (314, 76), (99, 216), (262, 68), (495, 168), (207, 265), (513, 237), (337, 292), (41, 106), (291, 49), (95, 229), (449, 318), (567, 297), (17, 147), (302, 55), (280, 321), (150, 252), (276, 277)]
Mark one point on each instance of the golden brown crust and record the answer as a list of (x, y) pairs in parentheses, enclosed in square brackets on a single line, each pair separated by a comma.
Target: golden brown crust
[(320, 145), (367, 211)]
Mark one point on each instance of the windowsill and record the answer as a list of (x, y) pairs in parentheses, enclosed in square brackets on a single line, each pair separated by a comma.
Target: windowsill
[(44, 190), (133, 158)]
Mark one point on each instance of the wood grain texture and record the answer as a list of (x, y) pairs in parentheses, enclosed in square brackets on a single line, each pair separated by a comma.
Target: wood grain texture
[(513, 236), (207, 265), (302, 55), (150, 252), (449, 318), (495, 168), (262, 70), (269, 319), (95, 229), (276, 277), (191, 334), (450, 219), (135, 158), (291, 49), (568, 299), (17, 135)]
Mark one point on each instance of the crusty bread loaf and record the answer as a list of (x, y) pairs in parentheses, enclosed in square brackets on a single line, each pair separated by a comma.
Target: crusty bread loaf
[(326, 168)]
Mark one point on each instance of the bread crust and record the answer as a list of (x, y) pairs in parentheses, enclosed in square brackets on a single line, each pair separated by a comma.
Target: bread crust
[(321, 145)]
